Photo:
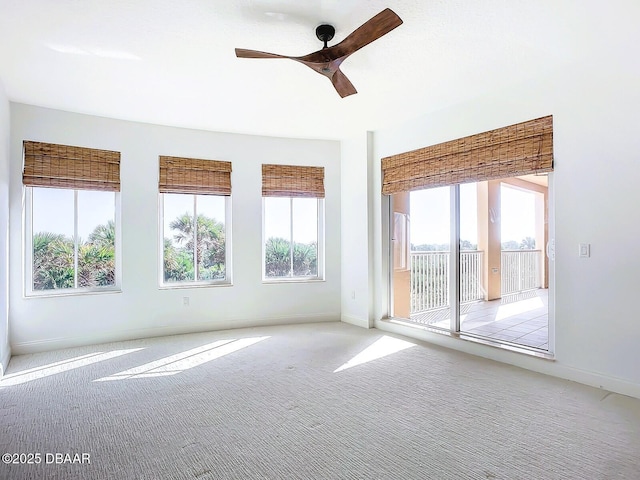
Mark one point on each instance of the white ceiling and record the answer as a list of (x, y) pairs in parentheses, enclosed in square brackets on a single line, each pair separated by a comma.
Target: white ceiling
[(173, 63)]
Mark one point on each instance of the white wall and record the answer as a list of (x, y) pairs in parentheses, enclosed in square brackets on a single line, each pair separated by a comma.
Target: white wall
[(595, 102), (5, 351), (357, 278), (142, 309)]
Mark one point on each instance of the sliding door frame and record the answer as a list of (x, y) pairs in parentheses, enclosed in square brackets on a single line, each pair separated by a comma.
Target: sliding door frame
[(454, 268)]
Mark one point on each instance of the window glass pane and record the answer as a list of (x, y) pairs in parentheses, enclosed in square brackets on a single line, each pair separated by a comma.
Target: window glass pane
[(518, 215), (472, 257), (96, 238), (277, 235), (178, 237), (211, 237), (305, 237), (421, 291), (503, 291), (52, 224), (468, 216)]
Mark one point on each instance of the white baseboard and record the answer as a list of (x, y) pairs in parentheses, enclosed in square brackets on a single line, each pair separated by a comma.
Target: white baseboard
[(21, 348), (604, 382), (357, 321), (528, 362)]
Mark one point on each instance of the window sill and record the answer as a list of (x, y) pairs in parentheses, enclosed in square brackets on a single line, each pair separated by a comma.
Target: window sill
[(70, 293), (182, 286), (276, 281)]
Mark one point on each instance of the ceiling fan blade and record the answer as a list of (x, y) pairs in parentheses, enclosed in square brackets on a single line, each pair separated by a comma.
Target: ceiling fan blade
[(327, 60), (243, 53), (369, 31), (343, 84)]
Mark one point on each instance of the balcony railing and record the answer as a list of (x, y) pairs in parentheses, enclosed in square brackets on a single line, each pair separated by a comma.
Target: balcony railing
[(430, 276), (430, 279), (520, 270)]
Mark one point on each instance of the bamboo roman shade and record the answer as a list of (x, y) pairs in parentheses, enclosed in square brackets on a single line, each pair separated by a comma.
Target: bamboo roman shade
[(191, 175), (63, 166), (292, 181), (520, 149)]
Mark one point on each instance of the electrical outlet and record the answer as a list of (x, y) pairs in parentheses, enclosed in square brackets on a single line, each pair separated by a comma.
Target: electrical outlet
[(185, 301), (584, 250)]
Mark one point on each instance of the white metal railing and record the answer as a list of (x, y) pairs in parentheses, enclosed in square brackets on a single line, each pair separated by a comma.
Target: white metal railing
[(430, 279), (520, 270)]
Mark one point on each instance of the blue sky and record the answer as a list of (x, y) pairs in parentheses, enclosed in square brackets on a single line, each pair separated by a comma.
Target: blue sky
[(53, 210), (430, 212), (305, 219)]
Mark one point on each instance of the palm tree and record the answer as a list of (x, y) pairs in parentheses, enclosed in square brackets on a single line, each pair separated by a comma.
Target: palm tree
[(177, 265), (104, 235), (510, 245), (96, 257), (211, 243), (52, 261), (54, 256), (209, 246), (277, 257), (305, 261), (528, 243), (96, 265)]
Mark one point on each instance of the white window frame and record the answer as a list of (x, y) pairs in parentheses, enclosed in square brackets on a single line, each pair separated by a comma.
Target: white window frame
[(320, 245), (227, 281), (28, 250)]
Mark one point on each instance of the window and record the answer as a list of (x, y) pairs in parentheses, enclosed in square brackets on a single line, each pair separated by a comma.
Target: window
[(293, 221), (195, 206), (291, 237), (194, 254), (71, 219), (73, 239)]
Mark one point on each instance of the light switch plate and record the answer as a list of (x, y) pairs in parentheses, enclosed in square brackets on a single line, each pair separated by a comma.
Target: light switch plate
[(584, 250)]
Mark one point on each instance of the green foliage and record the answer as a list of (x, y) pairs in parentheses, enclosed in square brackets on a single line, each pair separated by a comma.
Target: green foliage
[(442, 247), (96, 265), (104, 235), (278, 258), (528, 243), (53, 259), (178, 265), (209, 240), (510, 245)]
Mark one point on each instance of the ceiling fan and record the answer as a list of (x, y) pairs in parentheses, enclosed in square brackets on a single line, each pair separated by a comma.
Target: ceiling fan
[(327, 60)]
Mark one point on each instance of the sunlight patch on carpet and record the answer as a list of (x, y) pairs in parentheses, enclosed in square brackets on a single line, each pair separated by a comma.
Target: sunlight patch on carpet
[(380, 348), (62, 366), (182, 361)]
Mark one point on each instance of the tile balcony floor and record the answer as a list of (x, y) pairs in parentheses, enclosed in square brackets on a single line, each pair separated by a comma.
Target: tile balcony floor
[(521, 319)]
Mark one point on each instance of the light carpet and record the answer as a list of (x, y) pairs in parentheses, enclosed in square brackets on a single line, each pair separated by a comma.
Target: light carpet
[(314, 401)]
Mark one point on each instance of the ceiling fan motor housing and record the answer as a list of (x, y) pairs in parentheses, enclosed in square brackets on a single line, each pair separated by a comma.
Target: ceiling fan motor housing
[(325, 33)]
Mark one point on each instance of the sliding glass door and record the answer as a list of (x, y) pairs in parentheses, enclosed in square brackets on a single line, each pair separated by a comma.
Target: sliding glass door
[(422, 282), (470, 259)]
